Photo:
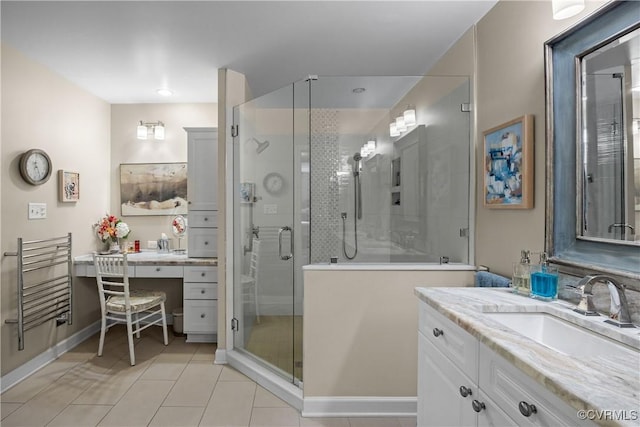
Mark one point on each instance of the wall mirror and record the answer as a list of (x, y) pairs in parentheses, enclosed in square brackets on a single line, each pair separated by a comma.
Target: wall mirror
[(592, 84)]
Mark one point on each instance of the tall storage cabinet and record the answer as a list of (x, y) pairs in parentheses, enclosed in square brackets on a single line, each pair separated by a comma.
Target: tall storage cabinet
[(202, 187)]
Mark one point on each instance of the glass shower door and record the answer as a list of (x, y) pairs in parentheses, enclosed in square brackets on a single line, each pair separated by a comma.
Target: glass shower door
[(267, 322)]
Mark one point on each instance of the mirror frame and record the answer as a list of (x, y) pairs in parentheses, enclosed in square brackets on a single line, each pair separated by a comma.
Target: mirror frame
[(562, 57)]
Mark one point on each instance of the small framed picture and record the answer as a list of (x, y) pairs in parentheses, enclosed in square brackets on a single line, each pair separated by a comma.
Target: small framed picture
[(246, 192), (508, 165), (68, 186)]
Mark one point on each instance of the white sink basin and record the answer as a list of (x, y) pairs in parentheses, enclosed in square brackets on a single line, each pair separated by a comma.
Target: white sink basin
[(560, 335)]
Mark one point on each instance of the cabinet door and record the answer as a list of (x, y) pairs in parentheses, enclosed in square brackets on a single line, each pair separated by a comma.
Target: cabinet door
[(202, 172), (490, 414), (440, 399), (201, 316)]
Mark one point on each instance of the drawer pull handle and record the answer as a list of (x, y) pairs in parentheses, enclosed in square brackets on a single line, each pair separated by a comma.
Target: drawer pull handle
[(157, 268), (202, 291), (527, 409), (477, 405), (437, 332), (206, 219), (465, 391), (206, 243), (203, 274), (202, 316)]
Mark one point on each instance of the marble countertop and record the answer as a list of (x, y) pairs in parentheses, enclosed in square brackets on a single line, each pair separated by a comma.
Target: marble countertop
[(589, 382), (154, 258)]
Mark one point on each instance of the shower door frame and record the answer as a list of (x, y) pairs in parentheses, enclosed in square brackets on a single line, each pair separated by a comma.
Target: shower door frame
[(289, 389)]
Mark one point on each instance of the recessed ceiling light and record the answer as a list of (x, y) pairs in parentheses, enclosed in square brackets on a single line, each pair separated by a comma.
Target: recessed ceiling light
[(358, 90), (164, 92)]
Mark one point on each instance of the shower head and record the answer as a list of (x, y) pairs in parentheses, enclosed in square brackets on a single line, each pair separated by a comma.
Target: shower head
[(356, 164), (261, 145), (357, 157)]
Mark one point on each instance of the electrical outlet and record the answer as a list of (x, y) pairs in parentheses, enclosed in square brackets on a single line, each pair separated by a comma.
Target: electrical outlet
[(270, 209), (37, 210), (152, 244)]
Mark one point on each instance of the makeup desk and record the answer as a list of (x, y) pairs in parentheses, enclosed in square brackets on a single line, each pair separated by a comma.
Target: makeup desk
[(199, 285)]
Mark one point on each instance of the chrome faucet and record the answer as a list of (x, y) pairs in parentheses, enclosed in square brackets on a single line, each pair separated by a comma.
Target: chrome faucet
[(621, 317)]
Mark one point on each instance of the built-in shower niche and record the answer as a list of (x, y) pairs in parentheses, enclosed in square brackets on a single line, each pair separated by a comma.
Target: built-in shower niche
[(395, 182)]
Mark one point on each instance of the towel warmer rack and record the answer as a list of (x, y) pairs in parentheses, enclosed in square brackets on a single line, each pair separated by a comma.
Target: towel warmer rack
[(44, 289)]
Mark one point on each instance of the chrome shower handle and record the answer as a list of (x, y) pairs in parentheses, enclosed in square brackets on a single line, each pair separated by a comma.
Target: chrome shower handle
[(290, 254)]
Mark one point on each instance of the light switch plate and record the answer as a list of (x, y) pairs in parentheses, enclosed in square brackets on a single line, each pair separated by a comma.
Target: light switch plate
[(37, 210)]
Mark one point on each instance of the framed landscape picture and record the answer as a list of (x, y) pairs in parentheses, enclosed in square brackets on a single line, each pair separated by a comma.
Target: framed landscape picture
[(508, 165), (153, 189)]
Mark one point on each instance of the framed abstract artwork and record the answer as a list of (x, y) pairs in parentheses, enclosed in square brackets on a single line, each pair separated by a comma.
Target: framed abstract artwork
[(508, 165), (153, 189), (68, 186)]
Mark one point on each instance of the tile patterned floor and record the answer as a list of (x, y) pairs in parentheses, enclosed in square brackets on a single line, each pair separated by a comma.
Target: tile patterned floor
[(177, 385)]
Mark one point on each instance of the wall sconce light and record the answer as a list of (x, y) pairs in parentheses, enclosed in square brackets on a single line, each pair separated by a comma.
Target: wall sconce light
[(400, 124), (563, 9), (144, 128), (393, 130), (410, 116)]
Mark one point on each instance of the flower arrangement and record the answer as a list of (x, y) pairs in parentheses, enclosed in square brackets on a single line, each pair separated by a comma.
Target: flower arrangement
[(110, 228)]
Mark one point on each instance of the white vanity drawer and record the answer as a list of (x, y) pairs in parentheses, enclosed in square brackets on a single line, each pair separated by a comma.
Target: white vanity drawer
[(200, 291), (201, 316), (456, 344), (203, 218), (160, 271), (508, 386), (203, 242), (201, 274)]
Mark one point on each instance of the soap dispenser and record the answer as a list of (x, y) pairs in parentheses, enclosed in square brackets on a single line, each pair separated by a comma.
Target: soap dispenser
[(521, 279), (544, 280)]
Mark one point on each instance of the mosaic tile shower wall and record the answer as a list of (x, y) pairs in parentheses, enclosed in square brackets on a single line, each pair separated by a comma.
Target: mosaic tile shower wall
[(325, 220)]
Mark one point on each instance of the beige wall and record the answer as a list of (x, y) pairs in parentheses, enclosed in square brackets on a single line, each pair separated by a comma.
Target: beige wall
[(360, 330), (126, 148), (43, 110), (509, 84)]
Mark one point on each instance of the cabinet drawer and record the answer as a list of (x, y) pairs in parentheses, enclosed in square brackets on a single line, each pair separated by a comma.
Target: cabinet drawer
[(203, 218), (203, 242), (200, 290), (161, 271), (201, 274), (456, 344), (201, 316), (508, 386)]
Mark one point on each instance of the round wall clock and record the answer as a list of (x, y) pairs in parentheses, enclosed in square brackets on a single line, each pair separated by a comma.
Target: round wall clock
[(35, 166), (273, 183)]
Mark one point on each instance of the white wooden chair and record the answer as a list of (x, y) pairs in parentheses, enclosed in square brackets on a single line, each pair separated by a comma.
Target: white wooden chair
[(251, 280), (119, 303)]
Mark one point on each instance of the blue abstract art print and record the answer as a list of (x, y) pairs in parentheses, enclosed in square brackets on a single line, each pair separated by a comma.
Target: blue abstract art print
[(508, 165)]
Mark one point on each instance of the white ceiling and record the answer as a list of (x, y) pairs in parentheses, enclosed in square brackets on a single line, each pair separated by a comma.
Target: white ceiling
[(122, 51)]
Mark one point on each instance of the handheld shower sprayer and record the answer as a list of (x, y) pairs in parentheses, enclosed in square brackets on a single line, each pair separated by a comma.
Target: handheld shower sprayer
[(356, 164), (357, 208)]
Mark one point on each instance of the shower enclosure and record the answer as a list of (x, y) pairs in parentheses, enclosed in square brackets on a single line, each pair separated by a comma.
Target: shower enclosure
[(317, 178)]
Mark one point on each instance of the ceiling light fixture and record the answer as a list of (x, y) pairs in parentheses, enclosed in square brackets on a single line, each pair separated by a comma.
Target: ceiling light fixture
[(164, 92), (144, 129), (563, 9)]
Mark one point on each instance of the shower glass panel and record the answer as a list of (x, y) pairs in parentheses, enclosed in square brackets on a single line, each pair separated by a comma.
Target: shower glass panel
[(271, 227), (317, 176)]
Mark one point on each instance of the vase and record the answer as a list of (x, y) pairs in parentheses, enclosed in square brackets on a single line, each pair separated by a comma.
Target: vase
[(114, 247)]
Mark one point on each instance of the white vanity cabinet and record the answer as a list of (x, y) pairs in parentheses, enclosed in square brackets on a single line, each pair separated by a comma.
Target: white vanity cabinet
[(462, 382), (202, 188), (200, 299)]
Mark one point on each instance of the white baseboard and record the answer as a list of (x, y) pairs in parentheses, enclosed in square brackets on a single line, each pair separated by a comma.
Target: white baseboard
[(221, 357), (12, 378), (360, 406)]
